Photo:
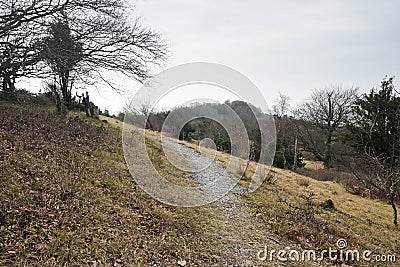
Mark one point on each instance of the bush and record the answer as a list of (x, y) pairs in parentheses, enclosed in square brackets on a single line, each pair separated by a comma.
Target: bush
[(328, 204), (25, 97), (106, 113), (223, 144), (303, 182), (285, 159)]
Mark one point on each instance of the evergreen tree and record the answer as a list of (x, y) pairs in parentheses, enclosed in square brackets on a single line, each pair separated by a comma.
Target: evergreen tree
[(376, 135), (63, 54)]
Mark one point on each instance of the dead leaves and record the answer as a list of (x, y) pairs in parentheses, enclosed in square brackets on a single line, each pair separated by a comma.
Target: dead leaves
[(67, 198)]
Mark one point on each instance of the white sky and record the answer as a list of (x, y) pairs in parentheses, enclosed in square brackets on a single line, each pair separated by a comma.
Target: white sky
[(281, 45), (185, 94)]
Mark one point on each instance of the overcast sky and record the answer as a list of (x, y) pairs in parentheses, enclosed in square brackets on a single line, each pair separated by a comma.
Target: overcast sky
[(289, 46)]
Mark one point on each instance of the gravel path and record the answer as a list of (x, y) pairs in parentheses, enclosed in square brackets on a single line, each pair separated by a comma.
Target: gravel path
[(207, 170), (236, 228), (241, 235)]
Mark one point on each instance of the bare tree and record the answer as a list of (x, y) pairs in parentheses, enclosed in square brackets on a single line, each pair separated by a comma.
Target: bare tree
[(328, 109), (111, 40), (15, 13), (22, 22), (139, 114), (282, 105), (310, 137)]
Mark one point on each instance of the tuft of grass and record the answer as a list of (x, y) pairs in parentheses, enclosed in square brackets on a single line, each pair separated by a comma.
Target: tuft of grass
[(303, 182)]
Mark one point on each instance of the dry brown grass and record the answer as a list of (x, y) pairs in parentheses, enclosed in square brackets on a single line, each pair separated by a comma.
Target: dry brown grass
[(313, 165), (365, 223), (112, 121), (69, 200)]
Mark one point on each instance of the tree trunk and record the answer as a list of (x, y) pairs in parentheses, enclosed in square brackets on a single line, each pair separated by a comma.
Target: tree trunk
[(58, 100), (4, 84), (284, 158), (328, 151), (64, 86), (392, 202), (148, 124), (295, 154), (8, 83), (328, 143)]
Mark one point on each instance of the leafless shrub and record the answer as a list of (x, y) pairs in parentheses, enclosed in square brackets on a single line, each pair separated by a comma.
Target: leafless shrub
[(305, 209)]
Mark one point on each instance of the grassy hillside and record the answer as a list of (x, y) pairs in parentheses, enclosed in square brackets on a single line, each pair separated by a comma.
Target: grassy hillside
[(281, 205), (365, 223), (67, 198)]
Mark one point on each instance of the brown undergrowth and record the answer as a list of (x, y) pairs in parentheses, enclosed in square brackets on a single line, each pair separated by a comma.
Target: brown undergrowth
[(68, 199)]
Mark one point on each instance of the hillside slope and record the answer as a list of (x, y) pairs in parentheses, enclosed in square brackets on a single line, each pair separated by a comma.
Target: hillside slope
[(67, 199), (309, 214)]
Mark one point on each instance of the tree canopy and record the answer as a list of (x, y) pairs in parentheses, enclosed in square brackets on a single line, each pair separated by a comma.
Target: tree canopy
[(37, 37), (329, 109)]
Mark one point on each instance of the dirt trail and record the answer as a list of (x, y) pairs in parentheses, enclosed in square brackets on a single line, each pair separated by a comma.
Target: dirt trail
[(237, 229)]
